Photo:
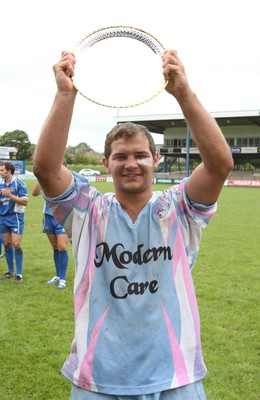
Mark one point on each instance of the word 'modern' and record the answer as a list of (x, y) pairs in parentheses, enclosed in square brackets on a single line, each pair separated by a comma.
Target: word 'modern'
[(120, 287)]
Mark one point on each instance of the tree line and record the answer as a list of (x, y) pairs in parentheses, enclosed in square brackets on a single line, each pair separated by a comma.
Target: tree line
[(80, 154)]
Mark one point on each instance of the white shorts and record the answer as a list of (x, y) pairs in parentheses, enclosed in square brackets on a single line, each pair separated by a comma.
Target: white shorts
[(194, 391)]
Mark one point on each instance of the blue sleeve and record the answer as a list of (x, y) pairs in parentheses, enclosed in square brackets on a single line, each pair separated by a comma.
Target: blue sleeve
[(22, 189)]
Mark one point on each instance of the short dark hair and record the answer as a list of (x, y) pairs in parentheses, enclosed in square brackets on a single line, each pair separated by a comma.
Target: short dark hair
[(127, 130), (8, 166)]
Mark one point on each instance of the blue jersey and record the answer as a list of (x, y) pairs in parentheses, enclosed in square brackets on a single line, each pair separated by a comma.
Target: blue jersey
[(7, 205), (137, 328)]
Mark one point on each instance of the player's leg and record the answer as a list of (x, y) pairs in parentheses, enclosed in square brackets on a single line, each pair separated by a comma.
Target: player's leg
[(18, 254), (62, 245), (9, 254), (62, 242), (2, 253), (53, 242), (16, 226)]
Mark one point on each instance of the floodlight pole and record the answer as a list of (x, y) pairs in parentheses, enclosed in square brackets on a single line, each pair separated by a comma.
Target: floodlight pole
[(187, 151)]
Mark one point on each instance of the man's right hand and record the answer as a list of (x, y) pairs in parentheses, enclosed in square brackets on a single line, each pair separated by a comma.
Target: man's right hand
[(64, 71)]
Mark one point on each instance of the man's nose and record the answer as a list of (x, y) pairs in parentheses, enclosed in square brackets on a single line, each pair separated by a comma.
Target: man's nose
[(131, 162)]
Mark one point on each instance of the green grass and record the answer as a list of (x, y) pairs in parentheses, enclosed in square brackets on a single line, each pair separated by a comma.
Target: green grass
[(37, 324), (227, 281)]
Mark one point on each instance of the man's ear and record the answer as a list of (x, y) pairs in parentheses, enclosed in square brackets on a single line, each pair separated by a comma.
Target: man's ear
[(105, 163), (156, 160)]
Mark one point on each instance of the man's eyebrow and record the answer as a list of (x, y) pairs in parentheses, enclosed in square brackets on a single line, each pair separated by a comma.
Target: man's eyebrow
[(144, 153), (119, 153)]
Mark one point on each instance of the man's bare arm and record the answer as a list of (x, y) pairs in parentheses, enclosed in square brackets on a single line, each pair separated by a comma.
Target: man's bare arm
[(53, 177), (206, 182)]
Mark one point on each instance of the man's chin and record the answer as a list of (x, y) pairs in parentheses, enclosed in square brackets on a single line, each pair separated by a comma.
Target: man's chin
[(133, 189)]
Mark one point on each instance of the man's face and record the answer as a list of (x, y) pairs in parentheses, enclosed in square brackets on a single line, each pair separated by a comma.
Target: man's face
[(130, 164), (3, 172)]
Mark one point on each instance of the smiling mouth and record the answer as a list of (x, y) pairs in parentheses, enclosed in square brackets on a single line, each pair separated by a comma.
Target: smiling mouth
[(131, 175)]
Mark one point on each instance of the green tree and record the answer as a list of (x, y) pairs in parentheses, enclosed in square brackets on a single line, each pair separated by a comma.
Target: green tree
[(20, 140), (82, 154), (88, 159), (81, 148)]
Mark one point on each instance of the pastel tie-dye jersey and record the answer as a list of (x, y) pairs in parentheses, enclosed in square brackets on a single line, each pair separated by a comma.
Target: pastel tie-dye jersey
[(137, 328)]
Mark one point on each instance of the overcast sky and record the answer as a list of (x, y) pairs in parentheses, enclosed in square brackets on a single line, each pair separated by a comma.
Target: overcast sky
[(218, 42)]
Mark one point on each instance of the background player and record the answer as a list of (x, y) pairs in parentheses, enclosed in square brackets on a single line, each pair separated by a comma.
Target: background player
[(13, 200), (58, 239)]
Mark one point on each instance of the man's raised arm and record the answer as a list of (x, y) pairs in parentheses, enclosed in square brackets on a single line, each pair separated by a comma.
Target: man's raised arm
[(54, 178), (206, 182)]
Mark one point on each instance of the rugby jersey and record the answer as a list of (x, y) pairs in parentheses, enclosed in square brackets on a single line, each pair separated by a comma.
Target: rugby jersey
[(17, 188), (137, 327)]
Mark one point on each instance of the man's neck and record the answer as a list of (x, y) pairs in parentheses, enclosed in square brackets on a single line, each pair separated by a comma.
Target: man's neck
[(133, 203), (9, 179)]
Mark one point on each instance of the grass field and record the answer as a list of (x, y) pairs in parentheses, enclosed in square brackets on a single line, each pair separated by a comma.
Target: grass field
[(37, 326)]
